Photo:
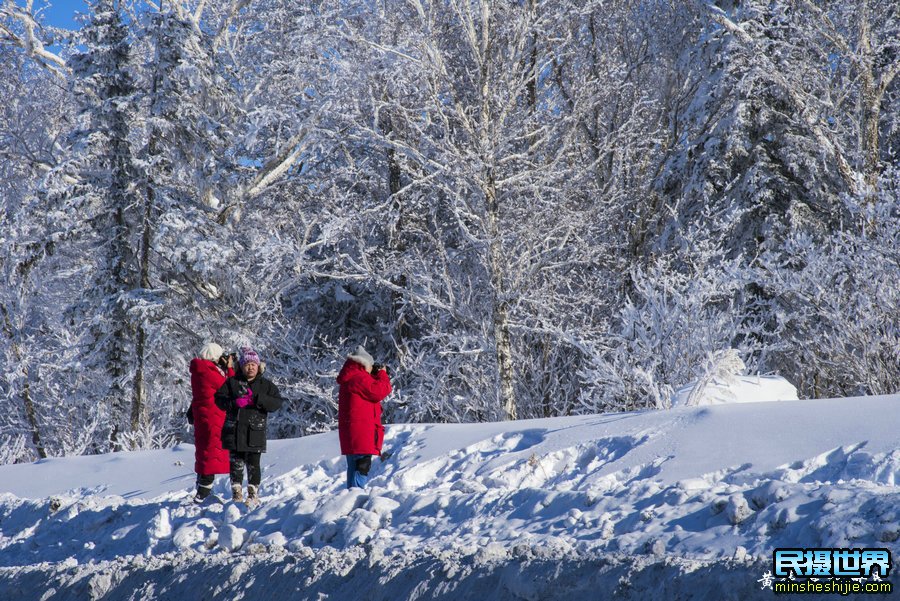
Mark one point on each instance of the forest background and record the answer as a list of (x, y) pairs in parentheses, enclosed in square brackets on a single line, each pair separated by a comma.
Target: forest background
[(526, 208)]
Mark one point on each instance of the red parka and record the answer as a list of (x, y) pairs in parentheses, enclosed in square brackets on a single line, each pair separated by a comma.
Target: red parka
[(209, 456), (359, 409)]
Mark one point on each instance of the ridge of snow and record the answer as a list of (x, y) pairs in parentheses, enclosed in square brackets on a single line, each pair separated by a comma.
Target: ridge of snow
[(701, 484)]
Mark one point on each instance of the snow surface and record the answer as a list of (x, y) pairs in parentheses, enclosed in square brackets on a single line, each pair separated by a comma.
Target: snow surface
[(684, 503), (741, 389)]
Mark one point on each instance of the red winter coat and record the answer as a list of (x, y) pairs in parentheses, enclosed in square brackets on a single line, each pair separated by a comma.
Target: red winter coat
[(359, 409), (209, 456)]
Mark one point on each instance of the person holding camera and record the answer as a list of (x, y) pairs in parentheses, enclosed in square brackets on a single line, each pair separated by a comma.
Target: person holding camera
[(362, 386), (247, 399), (208, 372)]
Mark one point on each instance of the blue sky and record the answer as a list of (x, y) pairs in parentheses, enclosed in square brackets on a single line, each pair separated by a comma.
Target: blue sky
[(61, 13)]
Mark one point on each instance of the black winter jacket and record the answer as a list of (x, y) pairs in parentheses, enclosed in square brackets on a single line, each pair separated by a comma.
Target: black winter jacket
[(245, 427)]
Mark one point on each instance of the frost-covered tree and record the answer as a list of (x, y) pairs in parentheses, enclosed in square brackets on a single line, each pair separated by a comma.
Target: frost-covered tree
[(785, 117), (674, 319), (98, 221), (472, 163), (525, 208), (33, 118), (780, 138), (842, 60), (21, 27), (834, 330)]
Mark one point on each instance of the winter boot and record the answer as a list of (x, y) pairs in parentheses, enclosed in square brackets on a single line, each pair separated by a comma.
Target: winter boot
[(202, 493), (252, 495), (237, 494)]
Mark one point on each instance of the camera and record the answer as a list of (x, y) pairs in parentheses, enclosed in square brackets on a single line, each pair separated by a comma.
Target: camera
[(379, 366), (223, 360)]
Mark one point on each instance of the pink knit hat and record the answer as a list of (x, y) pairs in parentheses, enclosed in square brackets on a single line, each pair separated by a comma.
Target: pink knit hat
[(247, 355)]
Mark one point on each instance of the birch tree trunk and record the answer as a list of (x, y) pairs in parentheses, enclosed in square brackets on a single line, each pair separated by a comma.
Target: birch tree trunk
[(499, 302), (874, 85), (495, 263)]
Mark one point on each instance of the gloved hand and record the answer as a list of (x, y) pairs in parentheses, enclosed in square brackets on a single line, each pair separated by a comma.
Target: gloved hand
[(245, 400)]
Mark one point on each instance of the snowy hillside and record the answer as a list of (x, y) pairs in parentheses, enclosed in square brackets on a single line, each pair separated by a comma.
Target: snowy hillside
[(673, 504)]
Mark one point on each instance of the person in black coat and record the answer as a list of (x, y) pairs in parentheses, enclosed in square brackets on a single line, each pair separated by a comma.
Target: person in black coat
[(247, 399)]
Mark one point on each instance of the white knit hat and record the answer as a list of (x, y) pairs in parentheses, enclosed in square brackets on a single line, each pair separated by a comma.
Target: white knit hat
[(211, 351), (362, 357)]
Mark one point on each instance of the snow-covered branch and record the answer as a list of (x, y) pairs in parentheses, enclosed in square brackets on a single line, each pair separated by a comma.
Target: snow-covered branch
[(802, 106), (28, 40)]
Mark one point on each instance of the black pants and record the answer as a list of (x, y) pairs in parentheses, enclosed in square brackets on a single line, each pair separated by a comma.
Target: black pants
[(251, 460)]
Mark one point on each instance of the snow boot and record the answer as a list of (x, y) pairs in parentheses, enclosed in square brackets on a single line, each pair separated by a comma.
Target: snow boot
[(202, 493), (237, 494), (252, 496)]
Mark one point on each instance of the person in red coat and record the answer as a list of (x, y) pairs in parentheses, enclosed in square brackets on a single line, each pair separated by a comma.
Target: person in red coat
[(359, 413), (208, 372)]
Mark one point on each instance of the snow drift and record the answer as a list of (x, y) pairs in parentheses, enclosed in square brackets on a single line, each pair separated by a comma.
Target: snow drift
[(689, 502)]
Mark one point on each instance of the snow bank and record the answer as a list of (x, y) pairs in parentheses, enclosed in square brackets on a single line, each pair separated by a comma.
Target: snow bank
[(529, 574), (464, 511), (738, 389)]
